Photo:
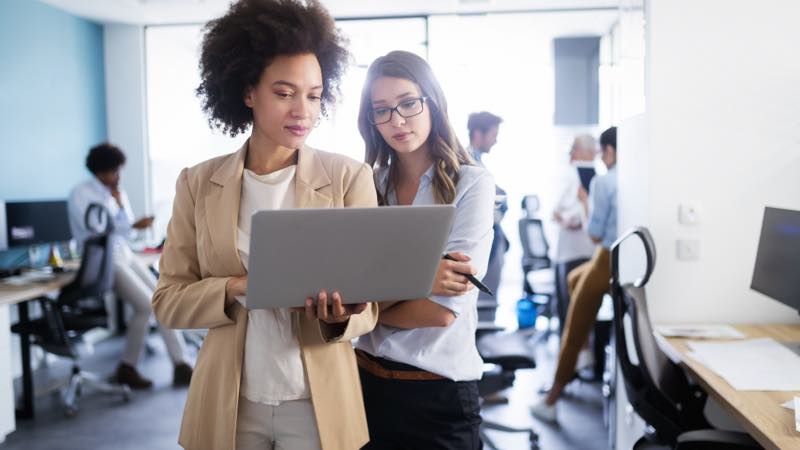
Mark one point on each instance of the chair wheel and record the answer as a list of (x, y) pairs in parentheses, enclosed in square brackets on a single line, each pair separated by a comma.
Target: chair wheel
[(70, 411)]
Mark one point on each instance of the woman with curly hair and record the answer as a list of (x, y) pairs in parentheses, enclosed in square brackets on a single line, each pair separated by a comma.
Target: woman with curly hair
[(280, 378), (421, 358)]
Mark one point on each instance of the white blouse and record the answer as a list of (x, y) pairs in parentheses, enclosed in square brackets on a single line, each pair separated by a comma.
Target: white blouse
[(273, 366)]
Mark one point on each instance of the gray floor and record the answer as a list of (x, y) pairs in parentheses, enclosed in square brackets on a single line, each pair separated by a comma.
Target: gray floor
[(152, 418)]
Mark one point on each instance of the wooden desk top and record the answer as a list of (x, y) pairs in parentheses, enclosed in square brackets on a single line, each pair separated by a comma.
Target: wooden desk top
[(759, 412), (11, 294)]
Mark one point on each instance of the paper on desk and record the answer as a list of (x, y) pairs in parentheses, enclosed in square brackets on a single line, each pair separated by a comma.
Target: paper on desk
[(789, 405), (28, 278), (751, 365), (797, 413), (700, 331)]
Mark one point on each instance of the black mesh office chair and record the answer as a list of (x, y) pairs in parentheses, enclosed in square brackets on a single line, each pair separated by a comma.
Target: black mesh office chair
[(508, 352), (657, 388), (80, 307)]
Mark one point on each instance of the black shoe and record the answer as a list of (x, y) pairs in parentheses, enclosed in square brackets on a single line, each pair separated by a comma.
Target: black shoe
[(128, 375), (182, 375)]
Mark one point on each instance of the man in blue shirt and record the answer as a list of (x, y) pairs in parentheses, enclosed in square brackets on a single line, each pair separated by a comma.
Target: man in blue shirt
[(483, 128), (589, 281)]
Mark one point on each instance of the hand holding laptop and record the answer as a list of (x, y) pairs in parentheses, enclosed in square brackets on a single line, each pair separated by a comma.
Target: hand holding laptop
[(335, 312), (332, 311)]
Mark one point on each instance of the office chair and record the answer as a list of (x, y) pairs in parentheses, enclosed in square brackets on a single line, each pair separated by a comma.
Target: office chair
[(657, 388), (80, 307), (536, 262), (508, 351)]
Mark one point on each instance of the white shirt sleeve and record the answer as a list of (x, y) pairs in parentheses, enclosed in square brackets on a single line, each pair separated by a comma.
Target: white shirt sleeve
[(472, 232)]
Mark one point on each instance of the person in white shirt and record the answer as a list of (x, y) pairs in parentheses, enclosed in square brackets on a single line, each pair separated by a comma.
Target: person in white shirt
[(133, 281), (420, 366), (573, 245)]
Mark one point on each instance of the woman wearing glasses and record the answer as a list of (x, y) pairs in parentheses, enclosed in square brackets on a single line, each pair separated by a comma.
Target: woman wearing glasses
[(268, 378), (419, 367)]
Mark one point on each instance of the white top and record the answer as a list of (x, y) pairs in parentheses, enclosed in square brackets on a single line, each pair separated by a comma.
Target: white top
[(573, 243), (447, 351), (93, 191), (273, 367)]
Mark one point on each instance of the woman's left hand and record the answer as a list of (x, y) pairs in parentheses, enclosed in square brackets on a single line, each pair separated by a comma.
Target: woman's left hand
[(330, 311)]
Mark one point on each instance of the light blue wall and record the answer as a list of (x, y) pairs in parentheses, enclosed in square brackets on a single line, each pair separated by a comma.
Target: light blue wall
[(52, 99), (52, 102)]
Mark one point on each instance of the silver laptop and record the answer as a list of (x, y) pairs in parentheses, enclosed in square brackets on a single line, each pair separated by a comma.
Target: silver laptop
[(367, 254)]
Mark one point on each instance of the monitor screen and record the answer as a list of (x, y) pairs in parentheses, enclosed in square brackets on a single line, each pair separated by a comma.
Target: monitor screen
[(38, 222), (777, 269)]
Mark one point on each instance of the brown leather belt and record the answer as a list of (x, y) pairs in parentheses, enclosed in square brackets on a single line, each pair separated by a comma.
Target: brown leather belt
[(367, 363)]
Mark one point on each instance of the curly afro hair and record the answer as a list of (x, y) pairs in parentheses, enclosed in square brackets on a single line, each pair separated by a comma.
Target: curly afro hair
[(238, 46), (104, 157)]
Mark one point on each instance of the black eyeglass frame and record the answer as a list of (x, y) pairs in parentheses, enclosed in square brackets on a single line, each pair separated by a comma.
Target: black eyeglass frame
[(422, 101)]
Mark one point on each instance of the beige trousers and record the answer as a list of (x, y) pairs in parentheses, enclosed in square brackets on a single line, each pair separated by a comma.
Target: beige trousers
[(587, 283)]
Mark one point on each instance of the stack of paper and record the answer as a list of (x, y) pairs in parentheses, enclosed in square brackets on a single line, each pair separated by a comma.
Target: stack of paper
[(700, 331), (751, 365)]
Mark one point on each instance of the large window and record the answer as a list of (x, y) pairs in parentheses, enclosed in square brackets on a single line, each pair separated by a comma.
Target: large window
[(178, 131)]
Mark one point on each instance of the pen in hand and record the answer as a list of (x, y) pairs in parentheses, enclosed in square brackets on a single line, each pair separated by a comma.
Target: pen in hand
[(481, 287)]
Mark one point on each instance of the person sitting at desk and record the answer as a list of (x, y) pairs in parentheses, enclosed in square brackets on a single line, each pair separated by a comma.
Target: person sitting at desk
[(589, 281), (133, 281)]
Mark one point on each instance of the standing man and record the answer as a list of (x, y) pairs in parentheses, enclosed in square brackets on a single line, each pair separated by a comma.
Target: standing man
[(483, 128), (133, 281), (589, 282)]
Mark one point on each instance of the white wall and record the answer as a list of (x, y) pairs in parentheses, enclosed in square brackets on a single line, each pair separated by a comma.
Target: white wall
[(125, 108), (723, 102)]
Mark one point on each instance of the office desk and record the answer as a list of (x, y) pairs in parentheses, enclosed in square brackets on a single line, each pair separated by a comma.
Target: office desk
[(20, 295), (759, 412)]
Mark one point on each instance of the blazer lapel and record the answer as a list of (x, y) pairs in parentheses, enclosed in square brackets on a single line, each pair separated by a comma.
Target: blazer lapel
[(310, 179), (222, 210)]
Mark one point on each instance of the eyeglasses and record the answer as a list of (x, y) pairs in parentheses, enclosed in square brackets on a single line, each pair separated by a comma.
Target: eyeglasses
[(407, 108)]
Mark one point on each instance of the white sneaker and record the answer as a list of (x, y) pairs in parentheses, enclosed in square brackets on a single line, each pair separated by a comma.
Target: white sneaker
[(585, 360), (544, 412)]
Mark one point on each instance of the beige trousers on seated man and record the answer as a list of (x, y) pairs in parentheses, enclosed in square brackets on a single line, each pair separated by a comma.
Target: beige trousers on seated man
[(587, 285), (134, 284)]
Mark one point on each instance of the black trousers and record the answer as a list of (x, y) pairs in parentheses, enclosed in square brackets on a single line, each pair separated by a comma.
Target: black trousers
[(562, 292), (415, 415)]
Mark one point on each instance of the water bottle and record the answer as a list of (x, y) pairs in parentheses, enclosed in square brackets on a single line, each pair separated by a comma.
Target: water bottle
[(526, 313)]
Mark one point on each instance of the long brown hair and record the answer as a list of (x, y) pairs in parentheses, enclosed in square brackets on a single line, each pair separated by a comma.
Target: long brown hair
[(447, 153)]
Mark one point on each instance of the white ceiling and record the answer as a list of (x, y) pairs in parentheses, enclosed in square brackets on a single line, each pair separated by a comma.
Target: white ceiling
[(152, 12)]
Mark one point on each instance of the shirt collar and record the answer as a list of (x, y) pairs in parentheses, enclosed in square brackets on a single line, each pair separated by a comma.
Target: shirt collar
[(424, 181), (99, 186)]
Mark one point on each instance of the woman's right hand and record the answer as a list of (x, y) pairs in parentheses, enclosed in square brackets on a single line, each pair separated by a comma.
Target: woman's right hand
[(235, 286), (449, 281)]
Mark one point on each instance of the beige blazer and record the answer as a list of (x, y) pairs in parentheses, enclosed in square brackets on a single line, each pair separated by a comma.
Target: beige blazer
[(199, 256)]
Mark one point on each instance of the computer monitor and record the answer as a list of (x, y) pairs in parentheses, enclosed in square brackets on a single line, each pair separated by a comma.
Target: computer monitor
[(36, 222), (777, 268)]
